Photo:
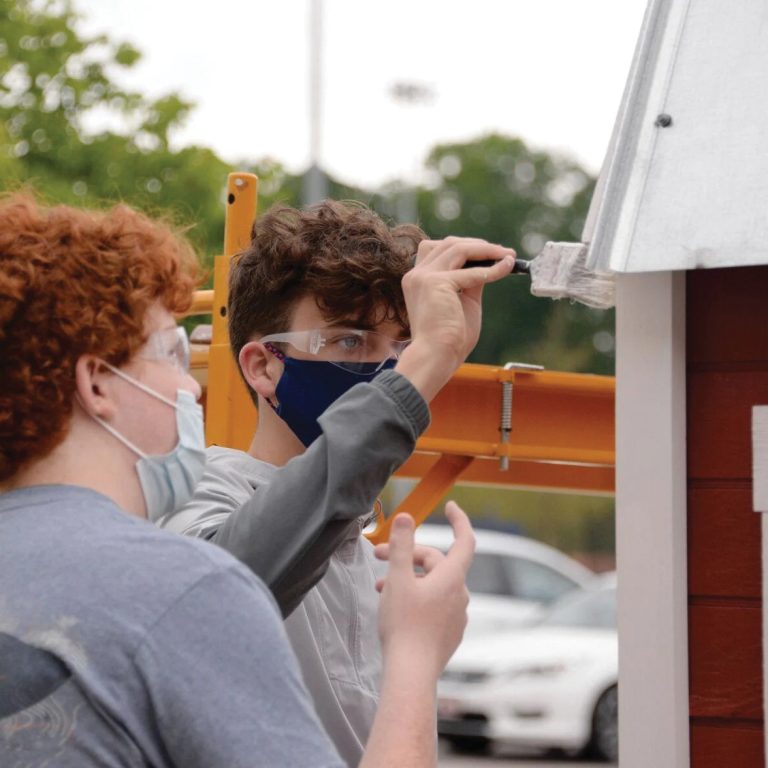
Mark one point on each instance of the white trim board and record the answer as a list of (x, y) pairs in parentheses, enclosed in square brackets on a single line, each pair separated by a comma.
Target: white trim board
[(651, 521), (760, 504)]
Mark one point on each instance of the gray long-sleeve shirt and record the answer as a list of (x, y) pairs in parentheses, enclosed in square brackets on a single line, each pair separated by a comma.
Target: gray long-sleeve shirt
[(291, 526)]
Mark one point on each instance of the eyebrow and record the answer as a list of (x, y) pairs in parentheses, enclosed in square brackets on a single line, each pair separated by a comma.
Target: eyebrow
[(403, 335), (351, 325)]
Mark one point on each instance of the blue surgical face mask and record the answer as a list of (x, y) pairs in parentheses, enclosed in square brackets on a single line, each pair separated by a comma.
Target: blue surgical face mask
[(168, 480), (308, 387)]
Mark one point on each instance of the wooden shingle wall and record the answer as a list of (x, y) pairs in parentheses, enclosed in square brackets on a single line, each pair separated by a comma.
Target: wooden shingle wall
[(727, 363)]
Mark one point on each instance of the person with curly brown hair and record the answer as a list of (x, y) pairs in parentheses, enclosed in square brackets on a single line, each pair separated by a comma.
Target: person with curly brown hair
[(122, 644), (330, 322)]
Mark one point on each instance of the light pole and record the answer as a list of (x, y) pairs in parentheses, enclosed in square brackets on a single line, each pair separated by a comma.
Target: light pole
[(314, 187)]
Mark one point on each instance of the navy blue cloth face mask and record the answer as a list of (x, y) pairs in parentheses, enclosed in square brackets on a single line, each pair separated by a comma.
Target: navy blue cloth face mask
[(308, 387)]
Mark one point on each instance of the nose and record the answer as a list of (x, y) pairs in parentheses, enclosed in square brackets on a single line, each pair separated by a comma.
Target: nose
[(191, 385)]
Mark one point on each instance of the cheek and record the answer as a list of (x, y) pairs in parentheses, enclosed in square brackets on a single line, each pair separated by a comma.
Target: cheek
[(162, 430), (157, 429), (149, 423)]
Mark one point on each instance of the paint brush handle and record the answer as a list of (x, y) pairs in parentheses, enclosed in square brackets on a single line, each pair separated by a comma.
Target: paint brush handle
[(522, 266)]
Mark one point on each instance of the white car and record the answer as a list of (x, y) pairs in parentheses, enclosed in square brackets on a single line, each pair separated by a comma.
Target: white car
[(512, 578), (549, 686)]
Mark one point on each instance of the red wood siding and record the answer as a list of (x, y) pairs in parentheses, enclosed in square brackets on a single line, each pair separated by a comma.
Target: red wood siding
[(727, 356), (734, 746)]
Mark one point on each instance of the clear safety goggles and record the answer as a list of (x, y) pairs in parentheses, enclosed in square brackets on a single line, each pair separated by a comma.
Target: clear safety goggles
[(347, 348), (170, 345)]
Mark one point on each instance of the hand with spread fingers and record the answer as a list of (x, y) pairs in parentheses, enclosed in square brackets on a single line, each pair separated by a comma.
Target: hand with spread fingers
[(444, 306), (423, 615)]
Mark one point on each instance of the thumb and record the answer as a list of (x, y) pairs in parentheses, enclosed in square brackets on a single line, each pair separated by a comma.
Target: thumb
[(401, 548)]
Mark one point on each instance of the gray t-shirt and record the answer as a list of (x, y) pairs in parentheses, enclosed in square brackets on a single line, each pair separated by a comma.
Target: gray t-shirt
[(123, 645)]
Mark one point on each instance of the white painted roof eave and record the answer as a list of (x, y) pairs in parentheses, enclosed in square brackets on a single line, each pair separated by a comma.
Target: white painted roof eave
[(685, 181)]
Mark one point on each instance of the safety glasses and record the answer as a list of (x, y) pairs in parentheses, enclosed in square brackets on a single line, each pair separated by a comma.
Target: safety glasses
[(348, 348), (170, 345)]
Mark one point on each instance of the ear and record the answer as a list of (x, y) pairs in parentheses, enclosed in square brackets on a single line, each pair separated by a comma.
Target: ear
[(93, 387), (261, 369)]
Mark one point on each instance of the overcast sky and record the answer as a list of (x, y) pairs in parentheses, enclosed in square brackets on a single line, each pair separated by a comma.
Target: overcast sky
[(550, 71)]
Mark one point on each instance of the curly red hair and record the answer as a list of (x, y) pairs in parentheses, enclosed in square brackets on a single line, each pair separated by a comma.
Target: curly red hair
[(74, 282)]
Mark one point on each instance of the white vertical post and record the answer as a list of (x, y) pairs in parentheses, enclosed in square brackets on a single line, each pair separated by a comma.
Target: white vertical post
[(651, 521), (760, 504)]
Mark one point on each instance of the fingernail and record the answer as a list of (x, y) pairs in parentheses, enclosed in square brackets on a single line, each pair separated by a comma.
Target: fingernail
[(402, 521)]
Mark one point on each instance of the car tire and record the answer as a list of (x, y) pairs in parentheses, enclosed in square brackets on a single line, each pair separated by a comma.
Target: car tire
[(605, 726), (469, 745)]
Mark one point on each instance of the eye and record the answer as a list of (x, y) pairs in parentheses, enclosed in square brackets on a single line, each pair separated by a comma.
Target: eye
[(349, 343)]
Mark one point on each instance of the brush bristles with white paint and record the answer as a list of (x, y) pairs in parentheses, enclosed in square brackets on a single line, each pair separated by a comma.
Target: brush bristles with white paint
[(560, 272)]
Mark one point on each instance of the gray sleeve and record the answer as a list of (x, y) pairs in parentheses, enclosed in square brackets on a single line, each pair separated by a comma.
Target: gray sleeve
[(223, 489), (223, 685), (293, 524)]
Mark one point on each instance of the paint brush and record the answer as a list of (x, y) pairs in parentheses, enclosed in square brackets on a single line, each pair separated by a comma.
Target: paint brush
[(560, 271)]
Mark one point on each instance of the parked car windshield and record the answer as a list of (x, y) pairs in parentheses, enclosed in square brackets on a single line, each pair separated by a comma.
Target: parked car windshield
[(594, 608), (512, 576)]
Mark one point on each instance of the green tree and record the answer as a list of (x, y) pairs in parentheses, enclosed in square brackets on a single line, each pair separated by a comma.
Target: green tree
[(58, 95)]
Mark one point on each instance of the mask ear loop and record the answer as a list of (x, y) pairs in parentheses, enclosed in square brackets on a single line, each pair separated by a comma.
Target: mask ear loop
[(275, 351), (112, 431), (270, 347), (137, 383)]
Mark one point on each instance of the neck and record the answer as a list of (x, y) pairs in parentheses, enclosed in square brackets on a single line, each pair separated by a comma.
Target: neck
[(273, 441), (113, 474)]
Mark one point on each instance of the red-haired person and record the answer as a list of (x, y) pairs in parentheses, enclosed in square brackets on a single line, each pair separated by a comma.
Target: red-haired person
[(330, 322), (122, 644)]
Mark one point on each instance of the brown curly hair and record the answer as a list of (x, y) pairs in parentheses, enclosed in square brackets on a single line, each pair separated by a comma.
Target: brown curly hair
[(73, 282), (342, 253)]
